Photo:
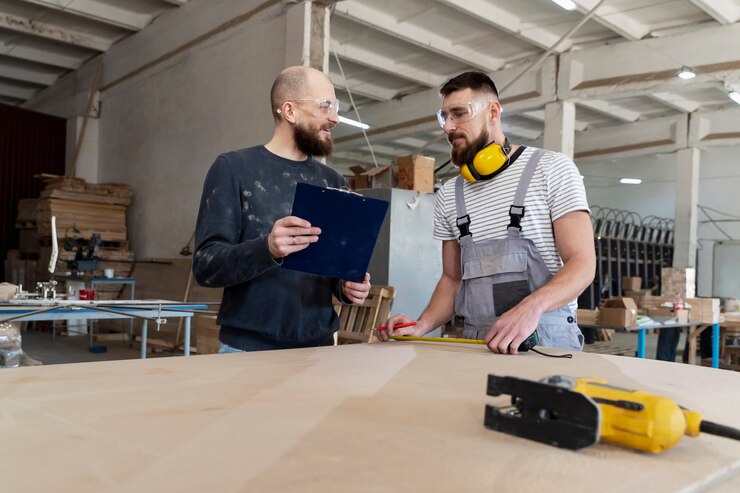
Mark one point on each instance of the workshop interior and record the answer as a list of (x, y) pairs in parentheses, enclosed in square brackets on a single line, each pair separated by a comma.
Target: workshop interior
[(370, 245)]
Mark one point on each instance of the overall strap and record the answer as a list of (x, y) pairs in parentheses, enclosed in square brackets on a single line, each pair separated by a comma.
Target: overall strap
[(516, 211), (463, 218)]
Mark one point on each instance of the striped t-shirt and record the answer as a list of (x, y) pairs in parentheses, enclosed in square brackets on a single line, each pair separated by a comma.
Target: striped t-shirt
[(555, 190)]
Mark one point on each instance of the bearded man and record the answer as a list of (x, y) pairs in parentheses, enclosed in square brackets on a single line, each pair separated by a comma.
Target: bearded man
[(245, 229), (517, 243)]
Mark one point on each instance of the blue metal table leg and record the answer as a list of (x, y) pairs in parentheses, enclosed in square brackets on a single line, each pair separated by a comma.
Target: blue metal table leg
[(187, 336), (143, 338), (641, 343), (715, 346)]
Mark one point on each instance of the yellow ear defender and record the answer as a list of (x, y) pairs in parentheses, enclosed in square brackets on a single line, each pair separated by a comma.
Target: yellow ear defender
[(487, 163)]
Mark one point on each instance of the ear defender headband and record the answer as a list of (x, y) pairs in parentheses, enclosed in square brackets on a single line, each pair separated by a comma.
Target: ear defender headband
[(487, 163)]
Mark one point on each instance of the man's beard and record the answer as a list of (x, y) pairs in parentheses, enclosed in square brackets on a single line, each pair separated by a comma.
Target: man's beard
[(309, 142), (464, 154)]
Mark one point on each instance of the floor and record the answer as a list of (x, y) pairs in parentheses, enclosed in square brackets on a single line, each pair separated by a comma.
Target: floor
[(41, 346)]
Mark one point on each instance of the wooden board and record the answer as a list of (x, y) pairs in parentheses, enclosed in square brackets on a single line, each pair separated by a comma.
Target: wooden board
[(361, 417)]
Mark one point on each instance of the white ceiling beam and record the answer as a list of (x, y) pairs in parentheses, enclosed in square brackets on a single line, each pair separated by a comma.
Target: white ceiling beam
[(532, 91), (26, 74), (507, 22), (102, 12), (611, 110), (385, 134), (371, 59), (415, 143), (38, 55), (723, 11), (386, 23), (539, 116), (520, 131), (16, 92), (676, 101), (715, 128), (51, 32), (650, 65), (610, 17), (362, 88), (666, 134)]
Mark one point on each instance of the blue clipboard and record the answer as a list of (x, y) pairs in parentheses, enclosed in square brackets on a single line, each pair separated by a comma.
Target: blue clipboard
[(349, 224)]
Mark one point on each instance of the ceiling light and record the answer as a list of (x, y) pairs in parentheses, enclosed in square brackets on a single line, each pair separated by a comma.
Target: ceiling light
[(354, 123), (686, 73), (566, 4), (735, 96), (630, 181)]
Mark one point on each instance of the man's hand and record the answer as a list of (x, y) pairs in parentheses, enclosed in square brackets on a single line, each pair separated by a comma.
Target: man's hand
[(356, 292), (291, 234), (417, 330), (513, 327)]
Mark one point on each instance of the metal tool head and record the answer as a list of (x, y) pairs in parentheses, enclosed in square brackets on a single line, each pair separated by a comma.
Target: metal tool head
[(544, 413)]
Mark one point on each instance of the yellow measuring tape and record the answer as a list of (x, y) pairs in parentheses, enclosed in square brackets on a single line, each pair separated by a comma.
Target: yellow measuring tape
[(438, 339)]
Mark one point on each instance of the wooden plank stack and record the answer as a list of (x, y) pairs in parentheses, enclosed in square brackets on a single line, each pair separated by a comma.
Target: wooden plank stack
[(81, 210)]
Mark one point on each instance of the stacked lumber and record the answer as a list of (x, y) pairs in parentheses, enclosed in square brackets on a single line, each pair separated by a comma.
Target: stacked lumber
[(60, 187), (81, 209), (82, 218)]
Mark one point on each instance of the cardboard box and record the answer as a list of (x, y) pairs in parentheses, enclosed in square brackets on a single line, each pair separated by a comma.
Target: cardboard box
[(681, 281), (587, 317), (631, 283), (380, 177), (703, 310), (618, 312), (416, 173), (638, 295)]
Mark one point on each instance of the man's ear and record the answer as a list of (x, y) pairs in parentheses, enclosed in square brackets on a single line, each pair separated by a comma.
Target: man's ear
[(288, 111), (495, 110)]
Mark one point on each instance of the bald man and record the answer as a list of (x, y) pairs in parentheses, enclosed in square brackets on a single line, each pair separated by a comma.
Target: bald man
[(245, 229)]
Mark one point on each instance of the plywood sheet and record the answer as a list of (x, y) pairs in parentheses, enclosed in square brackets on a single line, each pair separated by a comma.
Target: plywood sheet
[(363, 417)]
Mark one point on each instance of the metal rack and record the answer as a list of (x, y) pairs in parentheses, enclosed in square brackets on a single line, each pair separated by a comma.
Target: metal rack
[(627, 245)]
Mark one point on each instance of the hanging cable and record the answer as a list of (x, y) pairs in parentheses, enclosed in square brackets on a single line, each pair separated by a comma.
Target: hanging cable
[(352, 102)]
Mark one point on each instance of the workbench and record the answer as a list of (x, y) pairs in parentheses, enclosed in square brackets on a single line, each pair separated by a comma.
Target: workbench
[(125, 310), (398, 416)]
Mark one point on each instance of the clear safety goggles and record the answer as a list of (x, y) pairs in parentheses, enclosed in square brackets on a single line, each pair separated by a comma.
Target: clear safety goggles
[(321, 107), (461, 112)]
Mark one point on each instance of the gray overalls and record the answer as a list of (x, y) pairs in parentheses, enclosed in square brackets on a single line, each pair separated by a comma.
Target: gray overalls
[(499, 273)]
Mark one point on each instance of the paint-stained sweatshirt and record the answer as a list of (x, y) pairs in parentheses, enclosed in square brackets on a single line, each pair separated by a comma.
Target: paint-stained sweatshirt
[(264, 306)]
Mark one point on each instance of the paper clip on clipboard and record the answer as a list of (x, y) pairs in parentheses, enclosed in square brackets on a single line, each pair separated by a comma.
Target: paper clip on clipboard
[(350, 224)]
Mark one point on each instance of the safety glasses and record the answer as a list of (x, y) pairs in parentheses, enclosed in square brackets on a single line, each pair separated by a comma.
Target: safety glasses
[(321, 107), (461, 112)]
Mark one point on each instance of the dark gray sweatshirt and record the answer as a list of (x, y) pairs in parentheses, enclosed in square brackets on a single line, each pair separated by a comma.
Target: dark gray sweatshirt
[(264, 306)]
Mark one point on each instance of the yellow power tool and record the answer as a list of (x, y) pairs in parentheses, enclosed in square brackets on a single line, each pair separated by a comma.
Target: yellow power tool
[(573, 413)]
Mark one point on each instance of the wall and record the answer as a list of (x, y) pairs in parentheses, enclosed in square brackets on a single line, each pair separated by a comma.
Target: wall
[(162, 130), (718, 189), (190, 86)]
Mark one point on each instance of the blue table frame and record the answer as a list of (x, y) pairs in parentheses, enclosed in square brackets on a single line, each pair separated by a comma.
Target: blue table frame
[(11, 310), (642, 334)]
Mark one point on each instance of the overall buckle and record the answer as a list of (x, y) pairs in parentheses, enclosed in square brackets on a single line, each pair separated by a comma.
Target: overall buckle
[(516, 213), (463, 224)]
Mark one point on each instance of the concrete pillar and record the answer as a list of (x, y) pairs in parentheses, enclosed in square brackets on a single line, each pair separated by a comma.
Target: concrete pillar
[(560, 127), (308, 35), (687, 196)]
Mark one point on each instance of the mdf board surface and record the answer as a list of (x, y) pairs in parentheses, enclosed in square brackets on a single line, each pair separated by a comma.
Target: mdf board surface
[(362, 417)]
